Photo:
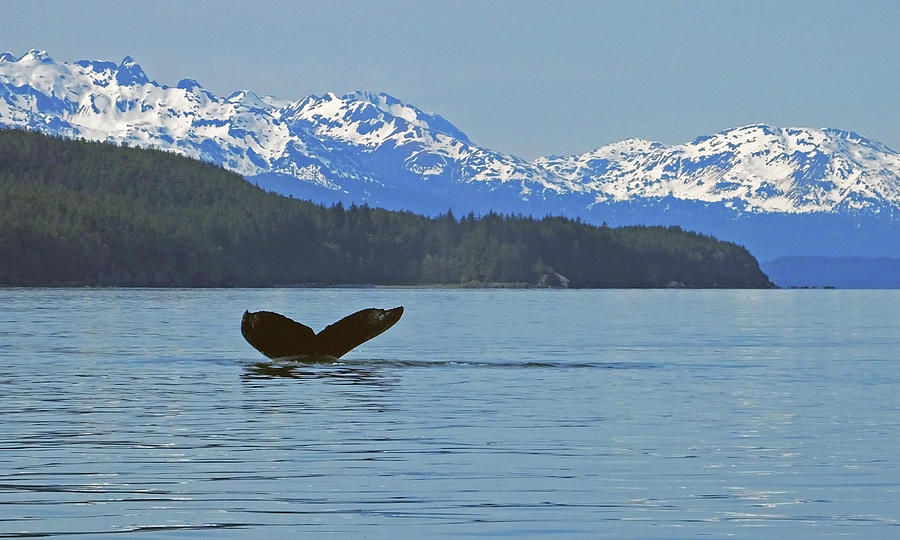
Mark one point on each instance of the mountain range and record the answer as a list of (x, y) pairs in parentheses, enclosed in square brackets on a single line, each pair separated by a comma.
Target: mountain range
[(778, 191)]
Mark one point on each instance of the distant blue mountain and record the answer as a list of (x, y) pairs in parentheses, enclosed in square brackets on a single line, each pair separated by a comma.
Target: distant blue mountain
[(839, 272)]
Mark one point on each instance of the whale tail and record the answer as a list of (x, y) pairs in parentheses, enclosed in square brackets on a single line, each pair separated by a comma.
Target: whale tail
[(277, 336)]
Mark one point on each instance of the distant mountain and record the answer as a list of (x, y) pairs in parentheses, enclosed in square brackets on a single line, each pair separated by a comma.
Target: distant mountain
[(779, 191), (754, 168), (840, 272)]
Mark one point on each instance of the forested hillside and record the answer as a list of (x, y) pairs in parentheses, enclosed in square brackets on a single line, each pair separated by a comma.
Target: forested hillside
[(85, 213)]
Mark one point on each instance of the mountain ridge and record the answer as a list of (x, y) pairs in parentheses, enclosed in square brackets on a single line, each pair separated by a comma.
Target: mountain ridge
[(373, 148)]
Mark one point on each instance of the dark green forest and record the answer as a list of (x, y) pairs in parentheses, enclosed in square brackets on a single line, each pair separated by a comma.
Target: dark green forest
[(84, 213)]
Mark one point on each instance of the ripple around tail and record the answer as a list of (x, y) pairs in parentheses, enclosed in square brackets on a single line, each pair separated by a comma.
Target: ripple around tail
[(368, 367), (498, 364)]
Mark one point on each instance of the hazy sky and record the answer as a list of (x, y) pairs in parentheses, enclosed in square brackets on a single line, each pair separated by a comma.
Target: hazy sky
[(528, 78)]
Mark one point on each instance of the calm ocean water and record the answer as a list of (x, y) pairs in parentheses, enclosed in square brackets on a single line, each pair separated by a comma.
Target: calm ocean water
[(482, 413)]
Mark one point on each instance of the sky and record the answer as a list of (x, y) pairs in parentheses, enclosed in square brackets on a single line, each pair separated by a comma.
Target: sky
[(522, 77)]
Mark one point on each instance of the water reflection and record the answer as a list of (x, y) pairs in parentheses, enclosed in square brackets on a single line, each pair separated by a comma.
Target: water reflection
[(328, 371)]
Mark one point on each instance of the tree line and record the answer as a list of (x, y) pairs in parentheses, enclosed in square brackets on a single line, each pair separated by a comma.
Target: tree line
[(74, 212)]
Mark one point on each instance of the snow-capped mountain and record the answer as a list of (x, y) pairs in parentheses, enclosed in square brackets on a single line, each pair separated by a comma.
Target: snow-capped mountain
[(327, 140), (758, 168), (365, 147)]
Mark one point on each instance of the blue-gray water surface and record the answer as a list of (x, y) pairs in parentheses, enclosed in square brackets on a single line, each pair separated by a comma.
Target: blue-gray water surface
[(482, 413)]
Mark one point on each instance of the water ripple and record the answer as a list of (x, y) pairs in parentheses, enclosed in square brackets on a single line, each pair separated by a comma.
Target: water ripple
[(736, 414)]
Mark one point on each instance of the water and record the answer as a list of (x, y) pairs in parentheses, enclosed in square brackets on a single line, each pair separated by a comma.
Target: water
[(488, 413)]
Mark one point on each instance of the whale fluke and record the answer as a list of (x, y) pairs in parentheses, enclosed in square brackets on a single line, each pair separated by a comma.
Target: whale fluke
[(277, 336)]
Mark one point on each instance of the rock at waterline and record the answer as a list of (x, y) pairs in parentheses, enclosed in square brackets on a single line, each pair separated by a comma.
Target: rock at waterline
[(554, 280)]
